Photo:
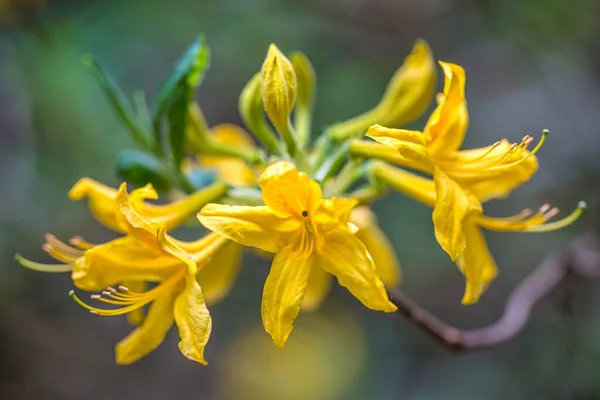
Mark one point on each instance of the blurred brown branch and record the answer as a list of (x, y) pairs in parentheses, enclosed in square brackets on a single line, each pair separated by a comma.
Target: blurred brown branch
[(581, 258)]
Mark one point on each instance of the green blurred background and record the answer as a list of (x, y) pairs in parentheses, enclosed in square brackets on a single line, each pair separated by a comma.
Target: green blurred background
[(531, 64)]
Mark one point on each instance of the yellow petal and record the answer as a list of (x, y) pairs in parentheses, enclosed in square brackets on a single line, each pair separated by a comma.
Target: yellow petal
[(411, 88), (319, 286), (452, 207), (410, 145), (218, 275), (334, 211), (136, 317), (344, 256), (283, 293), (289, 192), (377, 244), (251, 226), (476, 264), (447, 125), (101, 201), (232, 170), (152, 332), (193, 321), (122, 259)]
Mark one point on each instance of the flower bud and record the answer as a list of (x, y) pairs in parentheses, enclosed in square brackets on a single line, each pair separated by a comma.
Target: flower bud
[(278, 87)]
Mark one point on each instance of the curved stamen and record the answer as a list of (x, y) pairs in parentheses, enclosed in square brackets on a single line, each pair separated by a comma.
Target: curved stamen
[(59, 255), (62, 247), (545, 133), (537, 223), (43, 267), (561, 223), (81, 243), (129, 304)]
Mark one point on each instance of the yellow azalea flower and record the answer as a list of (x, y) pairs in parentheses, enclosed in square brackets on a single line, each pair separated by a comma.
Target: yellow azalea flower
[(378, 247), (488, 172), (232, 170), (485, 173), (306, 233), (148, 254), (464, 217)]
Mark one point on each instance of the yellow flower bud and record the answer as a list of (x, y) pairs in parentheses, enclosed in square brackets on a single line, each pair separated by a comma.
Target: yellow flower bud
[(278, 87), (411, 88)]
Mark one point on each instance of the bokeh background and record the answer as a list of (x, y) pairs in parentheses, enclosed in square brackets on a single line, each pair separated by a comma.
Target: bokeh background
[(531, 64)]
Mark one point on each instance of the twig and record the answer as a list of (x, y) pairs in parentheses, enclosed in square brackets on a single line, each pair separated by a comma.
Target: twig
[(578, 259)]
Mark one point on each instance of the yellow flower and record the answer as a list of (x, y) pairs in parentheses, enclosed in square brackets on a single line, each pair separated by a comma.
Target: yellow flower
[(148, 254), (485, 173), (306, 233), (488, 172), (232, 170), (379, 248), (463, 218)]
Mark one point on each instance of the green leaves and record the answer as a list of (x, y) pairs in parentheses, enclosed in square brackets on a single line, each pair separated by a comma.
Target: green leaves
[(176, 93), (153, 164), (121, 106)]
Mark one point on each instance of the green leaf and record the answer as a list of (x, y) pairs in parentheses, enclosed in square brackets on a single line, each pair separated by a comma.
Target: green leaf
[(176, 93), (120, 104), (139, 168)]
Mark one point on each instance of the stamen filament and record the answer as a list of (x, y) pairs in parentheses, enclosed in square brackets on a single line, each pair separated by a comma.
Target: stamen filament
[(561, 223), (80, 243), (134, 304), (43, 267)]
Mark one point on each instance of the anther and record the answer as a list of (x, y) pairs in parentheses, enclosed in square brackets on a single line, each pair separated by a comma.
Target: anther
[(47, 248), (526, 213), (551, 214), (304, 213), (95, 296), (106, 293), (123, 288), (110, 289), (544, 208)]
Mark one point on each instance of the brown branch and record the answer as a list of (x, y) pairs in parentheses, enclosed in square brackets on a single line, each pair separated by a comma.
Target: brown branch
[(578, 259)]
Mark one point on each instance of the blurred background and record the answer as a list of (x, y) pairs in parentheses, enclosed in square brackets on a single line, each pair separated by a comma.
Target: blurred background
[(531, 64)]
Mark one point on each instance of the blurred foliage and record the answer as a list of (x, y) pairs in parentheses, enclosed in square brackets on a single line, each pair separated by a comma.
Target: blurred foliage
[(530, 64)]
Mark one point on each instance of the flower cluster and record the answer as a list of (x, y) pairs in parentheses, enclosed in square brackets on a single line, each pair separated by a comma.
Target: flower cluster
[(303, 201)]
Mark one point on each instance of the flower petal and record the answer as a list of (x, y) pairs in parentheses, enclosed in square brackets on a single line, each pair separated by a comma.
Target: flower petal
[(377, 244), (344, 256), (193, 321), (319, 286), (447, 125), (218, 275), (251, 226), (477, 264), (122, 259), (283, 293), (451, 209), (101, 200), (410, 145), (288, 192), (136, 317), (147, 337)]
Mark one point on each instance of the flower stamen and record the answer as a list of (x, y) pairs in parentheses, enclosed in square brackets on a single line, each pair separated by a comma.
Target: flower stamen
[(129, 301)]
